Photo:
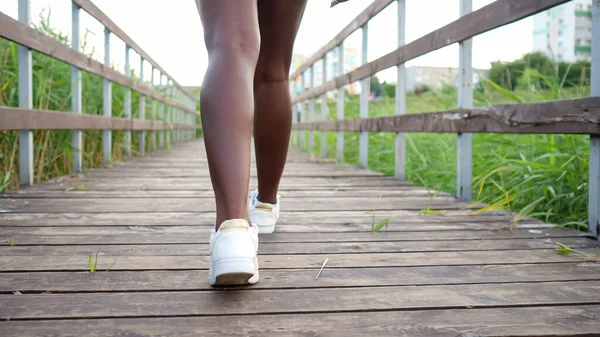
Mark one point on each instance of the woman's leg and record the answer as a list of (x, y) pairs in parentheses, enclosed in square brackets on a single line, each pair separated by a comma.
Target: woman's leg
[(231, 34), (279, 21)]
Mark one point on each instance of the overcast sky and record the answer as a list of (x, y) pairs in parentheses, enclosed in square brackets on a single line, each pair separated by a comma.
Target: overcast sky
[(171, 31)]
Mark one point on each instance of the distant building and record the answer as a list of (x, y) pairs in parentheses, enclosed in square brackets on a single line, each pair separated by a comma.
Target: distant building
[(351, 62), (436, 77), (565, 32)]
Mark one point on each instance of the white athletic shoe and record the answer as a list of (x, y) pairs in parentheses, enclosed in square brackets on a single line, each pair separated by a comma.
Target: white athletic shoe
[(262, 214), (233, 254)]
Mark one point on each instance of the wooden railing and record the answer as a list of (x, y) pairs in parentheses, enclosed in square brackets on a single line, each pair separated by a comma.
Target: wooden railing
[(577, 116), (173, 112)]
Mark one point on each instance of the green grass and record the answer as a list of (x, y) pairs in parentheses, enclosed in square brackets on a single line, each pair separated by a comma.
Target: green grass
[(52, 91), (544, 176)]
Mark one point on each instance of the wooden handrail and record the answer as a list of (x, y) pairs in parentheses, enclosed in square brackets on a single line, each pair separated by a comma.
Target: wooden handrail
[(494, 15), (375, 8), (24, 35), (95, 12), (31, 119), (573, 116), (576, 116)]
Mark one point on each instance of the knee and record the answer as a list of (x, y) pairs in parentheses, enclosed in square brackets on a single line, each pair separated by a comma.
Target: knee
[(245, 48), (270, 74)]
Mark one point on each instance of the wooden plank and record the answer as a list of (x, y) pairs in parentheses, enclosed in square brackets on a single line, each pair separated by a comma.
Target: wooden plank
[(548, 321), (100, 205), (373, 9), (201, 247), (30, 119), (572, 116), (174, 173), (238, 302), (494, 15), (335, 221), (187, 184), (112, 235), (205, 193), (182, 280), (36, 263), (22, 34)]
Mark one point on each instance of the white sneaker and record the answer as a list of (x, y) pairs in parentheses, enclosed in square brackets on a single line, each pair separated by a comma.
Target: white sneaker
[(262, 214), (233, 254)]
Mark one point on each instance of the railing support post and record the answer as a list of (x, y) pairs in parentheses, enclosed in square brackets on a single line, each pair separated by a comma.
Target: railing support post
[(127, 104), (594, 179), (76, 135), (152, 112), (25, 100), (400, 166), (107, 102), (465, 100), (294, 134), (311, 113), (324, 110), (365, 90), (340, 104), (161, 116), (142, 106), (302, 114)]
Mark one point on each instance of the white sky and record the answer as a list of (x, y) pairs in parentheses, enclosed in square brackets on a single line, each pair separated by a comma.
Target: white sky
[(171, 32)]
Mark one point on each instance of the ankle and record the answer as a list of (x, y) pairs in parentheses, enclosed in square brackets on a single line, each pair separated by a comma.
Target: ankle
[(267, 198), (221, 220)]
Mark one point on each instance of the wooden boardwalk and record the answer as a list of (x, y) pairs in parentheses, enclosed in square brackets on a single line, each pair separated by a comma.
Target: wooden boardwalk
[(454, 274)]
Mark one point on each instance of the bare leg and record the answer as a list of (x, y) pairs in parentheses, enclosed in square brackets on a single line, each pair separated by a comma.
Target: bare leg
[(279, 21), (231, 34)]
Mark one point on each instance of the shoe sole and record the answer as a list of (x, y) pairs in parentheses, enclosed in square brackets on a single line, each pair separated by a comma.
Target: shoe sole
[(266, 229), (234, 272)]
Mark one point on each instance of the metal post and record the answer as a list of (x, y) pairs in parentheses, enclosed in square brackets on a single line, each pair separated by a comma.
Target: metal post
[(324, 110), (178, 119), (340, 104), (142, 134), (594, 179), (365, 90), (76, 135), (161, 116), (465, 100), (25, 101), (311, 116), (299, 120), (127, 104), (169, 117), (152, 112), (401, 95), (302, 116), (294, 134), (107, 102)]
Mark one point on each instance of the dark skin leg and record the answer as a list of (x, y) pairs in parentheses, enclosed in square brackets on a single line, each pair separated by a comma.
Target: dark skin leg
[(279, 21), (232, 38)]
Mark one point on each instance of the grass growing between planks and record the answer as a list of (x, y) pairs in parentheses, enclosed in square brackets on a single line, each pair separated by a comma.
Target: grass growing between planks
[(52, 91), (543, 176)]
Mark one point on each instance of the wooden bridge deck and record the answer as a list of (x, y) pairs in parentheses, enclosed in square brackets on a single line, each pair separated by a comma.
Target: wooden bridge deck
[(454, 274)]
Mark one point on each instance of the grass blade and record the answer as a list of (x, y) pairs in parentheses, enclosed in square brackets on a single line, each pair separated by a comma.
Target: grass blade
[(321, 270)]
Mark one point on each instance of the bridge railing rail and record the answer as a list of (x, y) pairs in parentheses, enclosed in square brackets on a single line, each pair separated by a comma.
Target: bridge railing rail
[(574, 116), (172, 116)]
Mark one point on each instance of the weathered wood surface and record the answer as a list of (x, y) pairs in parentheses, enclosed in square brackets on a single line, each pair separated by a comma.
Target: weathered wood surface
[(572, 116), (22, 34), (539, 321), (457, 273), (26, 119)]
